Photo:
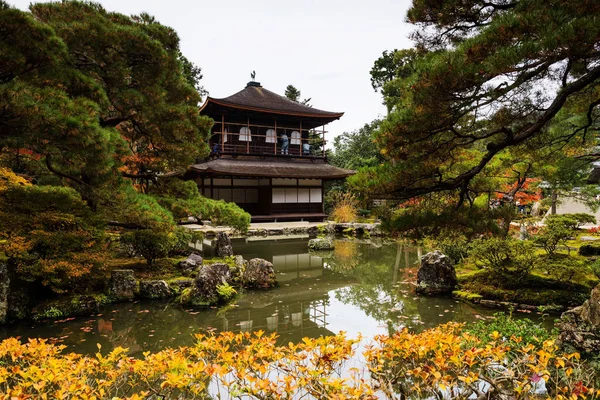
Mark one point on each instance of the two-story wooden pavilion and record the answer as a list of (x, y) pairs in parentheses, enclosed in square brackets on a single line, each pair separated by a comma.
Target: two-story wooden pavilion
[(268, 155)]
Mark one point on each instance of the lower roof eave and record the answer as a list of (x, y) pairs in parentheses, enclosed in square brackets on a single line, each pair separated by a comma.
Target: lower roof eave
[(267, 169)]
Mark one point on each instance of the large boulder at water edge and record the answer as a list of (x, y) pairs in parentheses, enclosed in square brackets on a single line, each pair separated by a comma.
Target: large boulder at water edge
[(224, 248), (205, 290), (580, 326), (155, 290), (122, 284), (436, 275), (259, 274), (191, 263), (320, 244)]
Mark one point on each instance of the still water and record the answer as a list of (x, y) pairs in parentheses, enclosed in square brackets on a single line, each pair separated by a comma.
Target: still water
[(363, 286)]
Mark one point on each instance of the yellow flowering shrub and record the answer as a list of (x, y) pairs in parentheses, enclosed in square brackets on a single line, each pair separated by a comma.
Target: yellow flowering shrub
[(440, 363), (445, 362)]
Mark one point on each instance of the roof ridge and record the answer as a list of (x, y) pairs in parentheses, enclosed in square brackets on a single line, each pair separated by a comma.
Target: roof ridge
[(259, 98)]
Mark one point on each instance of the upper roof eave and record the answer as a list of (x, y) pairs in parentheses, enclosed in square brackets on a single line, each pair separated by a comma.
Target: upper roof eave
[(329, 116)]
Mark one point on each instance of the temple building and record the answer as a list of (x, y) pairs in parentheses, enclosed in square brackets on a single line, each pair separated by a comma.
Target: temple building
[(267, 155)]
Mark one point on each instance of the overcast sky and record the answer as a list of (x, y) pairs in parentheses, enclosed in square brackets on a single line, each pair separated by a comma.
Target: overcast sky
[(325, 48)]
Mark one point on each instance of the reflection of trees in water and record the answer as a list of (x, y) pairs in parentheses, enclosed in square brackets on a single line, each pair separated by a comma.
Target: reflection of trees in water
[(381, 294), (386, 292), (345, 256)]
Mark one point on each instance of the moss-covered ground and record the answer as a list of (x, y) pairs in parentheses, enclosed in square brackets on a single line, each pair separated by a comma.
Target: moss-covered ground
[(569, 284)]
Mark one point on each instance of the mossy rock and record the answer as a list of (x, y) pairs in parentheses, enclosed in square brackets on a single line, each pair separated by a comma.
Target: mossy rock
[(465, 295), (71, 306), (320, 244)]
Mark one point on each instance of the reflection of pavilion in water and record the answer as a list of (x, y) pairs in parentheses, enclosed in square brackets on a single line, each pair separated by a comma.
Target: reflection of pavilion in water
[(305, 318), (293, 310)]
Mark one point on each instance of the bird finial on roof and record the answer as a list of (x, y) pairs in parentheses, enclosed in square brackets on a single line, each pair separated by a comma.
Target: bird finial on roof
[(253, 76)]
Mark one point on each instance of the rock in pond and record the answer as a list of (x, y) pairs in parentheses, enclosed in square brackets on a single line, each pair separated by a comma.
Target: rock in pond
[(122, 284), (191, 263), (259, 274), (580, 326), (155, 290), (204, 291), (70, 306), (320, 244), (223, 247), (436, 275)]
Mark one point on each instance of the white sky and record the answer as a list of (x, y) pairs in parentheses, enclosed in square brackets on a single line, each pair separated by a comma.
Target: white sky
[(324, 48)]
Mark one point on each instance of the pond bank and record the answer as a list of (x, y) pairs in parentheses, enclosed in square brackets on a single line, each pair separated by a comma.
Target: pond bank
[(292, 228)]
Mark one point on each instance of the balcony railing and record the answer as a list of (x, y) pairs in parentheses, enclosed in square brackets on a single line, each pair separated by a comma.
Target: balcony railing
[(267, 150), (271, 141)]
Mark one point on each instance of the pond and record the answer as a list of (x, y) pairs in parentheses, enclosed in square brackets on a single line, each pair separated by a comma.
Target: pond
[(363, 286)]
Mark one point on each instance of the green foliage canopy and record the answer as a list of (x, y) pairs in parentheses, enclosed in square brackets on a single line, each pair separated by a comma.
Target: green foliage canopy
[(96, 109), (488, 78)]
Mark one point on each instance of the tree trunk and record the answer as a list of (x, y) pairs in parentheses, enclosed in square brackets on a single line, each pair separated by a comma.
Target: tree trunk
[(554, 200)]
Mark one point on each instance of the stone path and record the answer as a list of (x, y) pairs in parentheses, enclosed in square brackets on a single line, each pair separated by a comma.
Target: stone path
[(258, 226)]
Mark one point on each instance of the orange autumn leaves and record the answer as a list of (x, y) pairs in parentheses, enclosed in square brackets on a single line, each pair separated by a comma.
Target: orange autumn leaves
[(443, 362)]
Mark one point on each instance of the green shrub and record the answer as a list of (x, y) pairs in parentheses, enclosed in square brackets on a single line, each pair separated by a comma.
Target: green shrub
[(149, 244), (183, 200), (564, 268), (182, 237), (504, 255), (557, 231), (572, 221), (455, 246), (510, 328)]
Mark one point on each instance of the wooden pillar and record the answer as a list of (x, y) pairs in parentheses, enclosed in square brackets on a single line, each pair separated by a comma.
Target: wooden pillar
[(323, 144), (248, 138), (275, 144), (222, 132), (300, 138)]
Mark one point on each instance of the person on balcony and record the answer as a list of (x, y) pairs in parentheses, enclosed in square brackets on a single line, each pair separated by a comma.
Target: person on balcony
[(215, 152), (285, 144), (306, 149)]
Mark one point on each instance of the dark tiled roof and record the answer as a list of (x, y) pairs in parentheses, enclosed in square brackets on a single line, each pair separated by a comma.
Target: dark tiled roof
[(256, 98), (270, 169), (594, 176)]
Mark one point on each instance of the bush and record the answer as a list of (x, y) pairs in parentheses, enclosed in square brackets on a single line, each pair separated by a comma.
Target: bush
[(574, 221), (509, 329), (455, 246), (50, 237), (446, 362), (558, 230), (345, 208), (149, 244), (253, 366), (181, 239), (183, 200), (565, 268), (504, 255)]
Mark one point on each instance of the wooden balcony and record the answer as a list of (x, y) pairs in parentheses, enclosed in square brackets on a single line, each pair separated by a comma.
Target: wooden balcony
[(263, 139), (293, 151)]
